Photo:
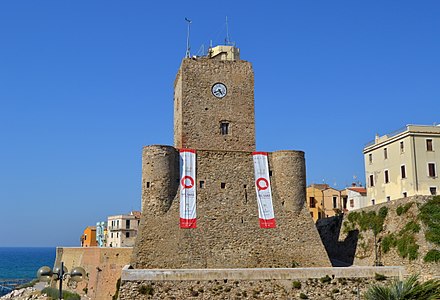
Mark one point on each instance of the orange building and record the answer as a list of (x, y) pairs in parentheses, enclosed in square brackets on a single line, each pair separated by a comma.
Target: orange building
[(88, 239)]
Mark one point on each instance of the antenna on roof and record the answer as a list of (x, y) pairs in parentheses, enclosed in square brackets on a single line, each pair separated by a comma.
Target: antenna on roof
[(187, 54), (227, 32)]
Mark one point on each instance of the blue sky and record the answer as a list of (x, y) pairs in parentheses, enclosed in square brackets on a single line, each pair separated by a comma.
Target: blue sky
[(85, 84)]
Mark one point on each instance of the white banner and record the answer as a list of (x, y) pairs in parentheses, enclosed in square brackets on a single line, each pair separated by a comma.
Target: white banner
[(264, 194), (187, 188)]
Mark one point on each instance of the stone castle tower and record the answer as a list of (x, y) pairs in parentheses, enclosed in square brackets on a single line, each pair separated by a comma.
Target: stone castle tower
[(214, 114)]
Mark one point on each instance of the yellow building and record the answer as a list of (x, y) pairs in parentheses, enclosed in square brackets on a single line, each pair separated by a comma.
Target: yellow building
[(88, 239), (403, 163), (323, 201)]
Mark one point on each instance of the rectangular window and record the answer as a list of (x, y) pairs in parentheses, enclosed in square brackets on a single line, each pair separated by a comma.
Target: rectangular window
[(127, 234), (335, 202), (429, 145), (127, 224), (223, 185), (388, 198), (402, 147), (387, 177), (431, 170), (351, 202), (202, 184), (344, 205), (370, 158), (148, 184), (371, 180), (373, 201), (224, 128), (385, 153), (405, 194), (312, 202), (403, 171), (433, 190)]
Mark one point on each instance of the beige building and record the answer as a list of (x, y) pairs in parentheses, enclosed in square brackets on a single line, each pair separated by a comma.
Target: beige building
[(324, 201), (122, 229), (403, 163)]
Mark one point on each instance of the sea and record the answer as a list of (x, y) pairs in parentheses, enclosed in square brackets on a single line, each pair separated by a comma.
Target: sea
[(20, 264)]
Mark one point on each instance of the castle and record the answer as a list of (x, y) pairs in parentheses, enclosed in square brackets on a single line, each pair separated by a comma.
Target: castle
[(214, 138)]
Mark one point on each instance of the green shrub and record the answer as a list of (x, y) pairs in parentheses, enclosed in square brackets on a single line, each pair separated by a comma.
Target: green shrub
[(388, 242), (432, 256), (383, 212), (303, 296), (146, 289), (325, 279), (411, 226), (430, 216), (379, 277), (296, 285), (54, 293), (407, 247), (400, 210), (335, 291)]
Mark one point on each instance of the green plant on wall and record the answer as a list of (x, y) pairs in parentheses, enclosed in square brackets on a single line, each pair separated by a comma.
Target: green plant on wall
[(430, 216)]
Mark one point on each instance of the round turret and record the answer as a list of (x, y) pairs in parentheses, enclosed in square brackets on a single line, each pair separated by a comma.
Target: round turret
[(289, 178), (160, 178)]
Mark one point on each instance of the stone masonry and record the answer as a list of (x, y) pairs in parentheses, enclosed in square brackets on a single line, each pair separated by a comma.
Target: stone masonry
[(228, 233)]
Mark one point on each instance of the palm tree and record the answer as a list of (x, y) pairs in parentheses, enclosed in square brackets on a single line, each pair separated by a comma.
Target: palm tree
[(409, 289)]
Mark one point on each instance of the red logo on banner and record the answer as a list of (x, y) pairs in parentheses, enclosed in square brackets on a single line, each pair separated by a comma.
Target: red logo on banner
[(262, 184), (191, 182)]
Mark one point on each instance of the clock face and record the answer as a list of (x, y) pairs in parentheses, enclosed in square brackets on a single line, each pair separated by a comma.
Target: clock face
[(219, 90)]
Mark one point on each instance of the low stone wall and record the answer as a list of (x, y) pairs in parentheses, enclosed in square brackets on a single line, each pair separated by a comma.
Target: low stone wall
[(264, 283), (102, 265)]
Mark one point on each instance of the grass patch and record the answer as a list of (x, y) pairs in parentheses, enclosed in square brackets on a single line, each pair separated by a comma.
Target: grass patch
[(430, 216), (54, 294), (325, 279), (402, 209), (296, 285), (432, 256)]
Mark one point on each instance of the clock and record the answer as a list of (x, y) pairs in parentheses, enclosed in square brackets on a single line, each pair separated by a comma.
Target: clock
[(219, 90)]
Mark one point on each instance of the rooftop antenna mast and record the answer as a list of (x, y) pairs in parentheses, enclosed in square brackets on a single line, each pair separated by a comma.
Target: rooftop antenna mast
[(227, 32), (187, 55)]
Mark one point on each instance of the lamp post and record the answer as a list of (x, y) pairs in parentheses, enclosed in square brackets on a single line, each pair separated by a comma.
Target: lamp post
[(60, 273)]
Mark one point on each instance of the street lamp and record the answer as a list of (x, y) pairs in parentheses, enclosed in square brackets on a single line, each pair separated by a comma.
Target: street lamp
[(60, 273)]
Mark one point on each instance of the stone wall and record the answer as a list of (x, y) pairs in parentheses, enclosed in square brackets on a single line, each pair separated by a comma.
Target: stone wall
[(315, 283), (197, 113), (228, 233), (364, 246), (102, 265)]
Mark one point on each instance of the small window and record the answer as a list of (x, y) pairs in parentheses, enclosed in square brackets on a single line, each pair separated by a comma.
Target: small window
[(85, 237), (312, 202), (127, 224), (371, 180), (373, 201), (127, 234), (388, 198), (387, 177), (202, 184), (111, 235), (370, 158), (403, 171), (433, 190), (148, 185), (335, 202), (224, 128), (405, 194), (270, 172), (431, 170), (223, 185), (385, 153), (402, 147), (344, 203), (351, 202), (429, 145)]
